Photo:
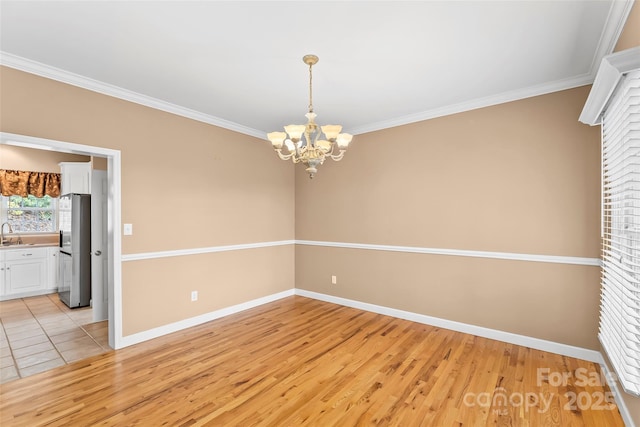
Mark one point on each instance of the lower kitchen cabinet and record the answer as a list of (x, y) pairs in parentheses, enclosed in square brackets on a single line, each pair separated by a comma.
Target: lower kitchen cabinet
[(25, 272)]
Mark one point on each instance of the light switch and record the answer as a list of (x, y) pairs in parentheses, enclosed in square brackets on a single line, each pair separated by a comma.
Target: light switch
[(128, 229)]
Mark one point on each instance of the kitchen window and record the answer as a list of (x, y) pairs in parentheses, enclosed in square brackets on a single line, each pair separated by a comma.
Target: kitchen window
[(30, 214)]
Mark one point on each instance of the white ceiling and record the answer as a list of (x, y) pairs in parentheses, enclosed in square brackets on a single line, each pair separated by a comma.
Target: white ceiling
[(238, 64)]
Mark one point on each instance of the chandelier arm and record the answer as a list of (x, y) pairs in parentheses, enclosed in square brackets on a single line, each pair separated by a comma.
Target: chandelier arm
[(283, 156), (332, 153), (337, 157)]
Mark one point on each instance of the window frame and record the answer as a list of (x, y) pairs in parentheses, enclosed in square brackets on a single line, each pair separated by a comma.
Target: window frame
[(620, 272), (4, 215), (620, 280)]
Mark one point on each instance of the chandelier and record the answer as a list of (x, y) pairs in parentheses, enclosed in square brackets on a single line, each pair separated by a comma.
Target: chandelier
[(303, 143)]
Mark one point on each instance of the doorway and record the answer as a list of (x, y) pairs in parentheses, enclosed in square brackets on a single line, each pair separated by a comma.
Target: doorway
[(113, 237)]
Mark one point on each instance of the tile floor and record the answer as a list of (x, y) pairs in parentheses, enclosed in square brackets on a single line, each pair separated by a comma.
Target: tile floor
[(41, 333)]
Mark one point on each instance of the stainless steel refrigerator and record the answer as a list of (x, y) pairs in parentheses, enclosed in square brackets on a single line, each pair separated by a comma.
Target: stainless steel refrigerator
[(75, 249)]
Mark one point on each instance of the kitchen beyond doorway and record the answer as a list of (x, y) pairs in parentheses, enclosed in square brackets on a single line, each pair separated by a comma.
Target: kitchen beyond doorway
[(41, 333)]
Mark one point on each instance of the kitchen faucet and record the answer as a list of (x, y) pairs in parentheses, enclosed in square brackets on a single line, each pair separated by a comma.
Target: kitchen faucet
[(2, 232)]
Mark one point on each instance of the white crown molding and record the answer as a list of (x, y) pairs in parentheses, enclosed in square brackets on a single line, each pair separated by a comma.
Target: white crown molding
[(616, 20), (614, 24), (207, 250), (594, 262), (612, 68), (53, 73), (474, 104)]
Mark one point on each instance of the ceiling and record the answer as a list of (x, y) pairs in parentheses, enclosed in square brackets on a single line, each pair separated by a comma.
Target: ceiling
[(238, 64)]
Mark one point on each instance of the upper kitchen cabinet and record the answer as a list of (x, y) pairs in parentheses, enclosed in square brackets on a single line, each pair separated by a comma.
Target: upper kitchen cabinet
[(75, 177)]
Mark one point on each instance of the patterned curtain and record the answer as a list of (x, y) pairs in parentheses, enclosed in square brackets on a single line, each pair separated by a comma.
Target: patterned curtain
[(23, 183)]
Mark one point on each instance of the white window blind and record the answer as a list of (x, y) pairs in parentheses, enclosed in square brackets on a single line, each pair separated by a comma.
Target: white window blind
[(620, 299)]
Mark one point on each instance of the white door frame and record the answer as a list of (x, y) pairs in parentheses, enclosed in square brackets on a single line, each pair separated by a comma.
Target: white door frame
[(114, 238)]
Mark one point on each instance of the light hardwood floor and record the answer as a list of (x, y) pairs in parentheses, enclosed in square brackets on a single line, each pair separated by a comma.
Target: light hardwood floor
[(299, 361)]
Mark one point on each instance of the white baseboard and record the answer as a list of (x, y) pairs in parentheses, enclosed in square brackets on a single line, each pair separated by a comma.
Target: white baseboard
[(523, 340), (536, 343), (198, 320), (624, 411), (29, 294)]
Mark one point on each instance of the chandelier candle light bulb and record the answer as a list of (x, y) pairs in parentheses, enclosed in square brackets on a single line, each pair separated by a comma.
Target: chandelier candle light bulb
[(302, 143)]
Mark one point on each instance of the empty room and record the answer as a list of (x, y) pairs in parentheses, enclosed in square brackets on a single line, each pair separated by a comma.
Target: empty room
[(263, 213)]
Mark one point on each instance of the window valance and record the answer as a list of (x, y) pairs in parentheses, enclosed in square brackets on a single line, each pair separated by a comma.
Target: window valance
[(23, 183)]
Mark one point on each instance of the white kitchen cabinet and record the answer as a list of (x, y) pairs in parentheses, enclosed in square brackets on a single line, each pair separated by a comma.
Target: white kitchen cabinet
[(53, 267), (23, 272), (75, 177)]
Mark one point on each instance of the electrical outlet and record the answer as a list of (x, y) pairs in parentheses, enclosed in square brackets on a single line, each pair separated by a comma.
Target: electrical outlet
[(194, 295), (334, 280)]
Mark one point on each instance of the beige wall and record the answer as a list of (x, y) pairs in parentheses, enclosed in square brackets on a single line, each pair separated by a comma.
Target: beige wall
[(548, 301), (29, 159), (222, 280), (185, 185), (521, 177), (99, 163), (516, 177)]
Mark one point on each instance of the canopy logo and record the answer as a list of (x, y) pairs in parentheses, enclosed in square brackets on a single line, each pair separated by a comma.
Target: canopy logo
[(501, 401)]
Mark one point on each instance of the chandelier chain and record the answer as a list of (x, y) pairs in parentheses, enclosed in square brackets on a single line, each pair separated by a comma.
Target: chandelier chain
[(310, 89)]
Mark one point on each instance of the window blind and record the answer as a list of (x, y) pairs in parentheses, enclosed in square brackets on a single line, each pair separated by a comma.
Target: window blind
[(620, 297)]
